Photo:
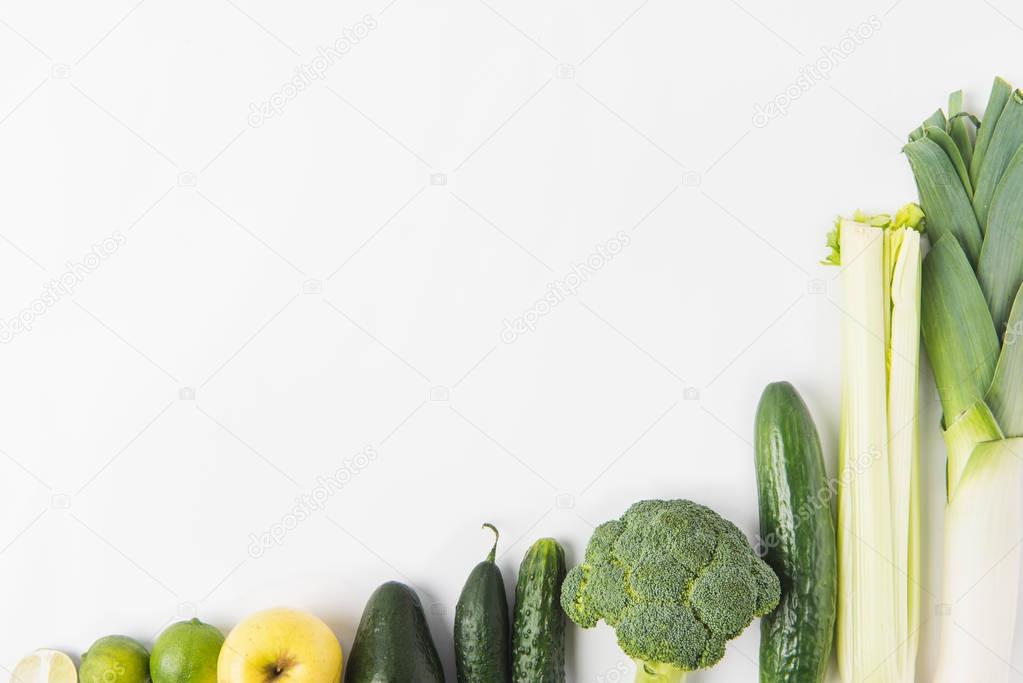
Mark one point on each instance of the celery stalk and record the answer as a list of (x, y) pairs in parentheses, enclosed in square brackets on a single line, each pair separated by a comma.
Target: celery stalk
[(866, 591), (878, 546), (903, 438)]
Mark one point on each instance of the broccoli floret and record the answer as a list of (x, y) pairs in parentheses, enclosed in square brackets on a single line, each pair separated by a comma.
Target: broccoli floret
[(572, 590), (676, 581), (607, 599), (666, 633), (602, 540), (660, 579)]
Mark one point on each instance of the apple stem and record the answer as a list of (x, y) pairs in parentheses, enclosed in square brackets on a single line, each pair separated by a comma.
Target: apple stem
[(278, 667), (497, 535)]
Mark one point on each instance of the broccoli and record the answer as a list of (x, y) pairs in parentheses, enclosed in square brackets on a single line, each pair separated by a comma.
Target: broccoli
[(676, 581)]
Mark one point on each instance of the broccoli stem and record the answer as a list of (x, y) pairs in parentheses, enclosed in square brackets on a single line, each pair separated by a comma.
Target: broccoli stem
[(657, 672)]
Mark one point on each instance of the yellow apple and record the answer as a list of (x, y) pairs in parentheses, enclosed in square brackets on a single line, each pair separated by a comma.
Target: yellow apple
[(280, 646)]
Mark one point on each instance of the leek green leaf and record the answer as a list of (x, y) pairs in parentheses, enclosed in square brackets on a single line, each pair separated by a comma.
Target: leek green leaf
[(943, 196), (1005, 141), (1005, 396), (972, 427), (1000, 267), (957, 329), (1000, 92), (935, 120), (946, 143), (959, 127)]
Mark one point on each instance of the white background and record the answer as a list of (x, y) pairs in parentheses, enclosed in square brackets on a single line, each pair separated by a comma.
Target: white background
[(336, 279)]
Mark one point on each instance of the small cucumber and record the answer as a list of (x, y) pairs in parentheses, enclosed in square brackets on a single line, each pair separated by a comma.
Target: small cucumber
[(482, 637), (393, 642), (538, 627), (798, 535)]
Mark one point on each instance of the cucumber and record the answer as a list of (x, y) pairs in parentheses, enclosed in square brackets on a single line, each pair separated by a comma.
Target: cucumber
[(482, 635), (393, 642), (798, 535), (538, 626)]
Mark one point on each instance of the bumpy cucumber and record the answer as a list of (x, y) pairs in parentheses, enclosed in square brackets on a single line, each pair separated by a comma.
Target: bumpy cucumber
[(538, 627), (482, 635), (798, 535)]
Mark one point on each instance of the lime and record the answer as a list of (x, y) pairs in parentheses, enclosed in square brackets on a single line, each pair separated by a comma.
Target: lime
[(115, 659), (186, 652), (45, 666)]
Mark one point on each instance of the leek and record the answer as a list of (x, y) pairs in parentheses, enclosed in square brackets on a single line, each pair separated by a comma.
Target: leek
[(878, 508), (972, 323)]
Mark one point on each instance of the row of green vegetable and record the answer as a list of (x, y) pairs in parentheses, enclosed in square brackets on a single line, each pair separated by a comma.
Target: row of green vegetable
[(676, 581)]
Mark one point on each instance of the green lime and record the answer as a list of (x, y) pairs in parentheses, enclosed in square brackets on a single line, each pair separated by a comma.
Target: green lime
[(115, 659), (186, 652)]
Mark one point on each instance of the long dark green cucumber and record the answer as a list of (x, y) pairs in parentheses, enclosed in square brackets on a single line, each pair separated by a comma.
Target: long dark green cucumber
[(798, 535)]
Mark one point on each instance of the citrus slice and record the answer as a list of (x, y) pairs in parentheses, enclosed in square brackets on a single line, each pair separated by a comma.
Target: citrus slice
[(45, 666)]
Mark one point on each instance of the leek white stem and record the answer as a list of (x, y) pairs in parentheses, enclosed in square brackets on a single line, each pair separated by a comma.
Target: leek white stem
[(982, 522)]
